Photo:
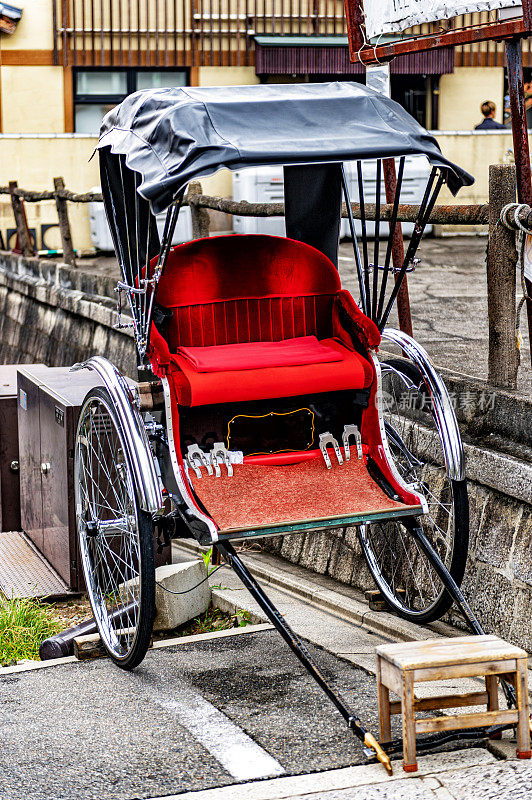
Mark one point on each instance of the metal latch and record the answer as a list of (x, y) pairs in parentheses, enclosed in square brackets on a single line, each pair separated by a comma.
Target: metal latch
[(197, 459), (325, 440), (351, 430), (220, 455)]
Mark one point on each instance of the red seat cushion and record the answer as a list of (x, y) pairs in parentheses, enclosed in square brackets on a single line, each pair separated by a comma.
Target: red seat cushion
[(259, 355), (349, 370)]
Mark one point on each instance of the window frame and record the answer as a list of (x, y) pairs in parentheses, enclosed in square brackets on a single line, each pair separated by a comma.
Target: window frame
[(81, 99)]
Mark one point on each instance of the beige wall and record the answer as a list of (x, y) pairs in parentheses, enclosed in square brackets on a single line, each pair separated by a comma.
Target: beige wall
[(462, 92), (32, 99), (226, 76), (34, 161), (35, 30), (473, 152)]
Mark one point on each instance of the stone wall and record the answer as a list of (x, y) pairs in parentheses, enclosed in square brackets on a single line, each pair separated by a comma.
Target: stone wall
[(57, 315), (498, 581)]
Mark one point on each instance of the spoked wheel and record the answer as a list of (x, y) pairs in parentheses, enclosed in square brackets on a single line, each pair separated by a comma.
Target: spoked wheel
[(402, 571), (115, 534)]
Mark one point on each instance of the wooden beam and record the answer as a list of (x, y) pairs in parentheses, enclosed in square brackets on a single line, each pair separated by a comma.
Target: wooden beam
[(28, 58), (69, 255), (465, 36), (68, 99)]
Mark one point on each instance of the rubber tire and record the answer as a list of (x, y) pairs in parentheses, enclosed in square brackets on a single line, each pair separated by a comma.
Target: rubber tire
[(461, 529), (147, 608)]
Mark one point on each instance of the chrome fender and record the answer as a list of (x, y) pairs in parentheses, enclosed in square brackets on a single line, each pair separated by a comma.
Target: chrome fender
[(451, 439), (138, 447)]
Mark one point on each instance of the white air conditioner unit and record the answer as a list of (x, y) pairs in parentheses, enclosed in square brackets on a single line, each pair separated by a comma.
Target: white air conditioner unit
[(265, 185), (101, 235)]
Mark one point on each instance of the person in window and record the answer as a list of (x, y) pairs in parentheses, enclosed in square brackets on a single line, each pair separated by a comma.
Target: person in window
[(488, 109)]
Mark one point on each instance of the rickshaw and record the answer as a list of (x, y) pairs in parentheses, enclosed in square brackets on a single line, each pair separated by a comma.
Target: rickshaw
[(277, 413)]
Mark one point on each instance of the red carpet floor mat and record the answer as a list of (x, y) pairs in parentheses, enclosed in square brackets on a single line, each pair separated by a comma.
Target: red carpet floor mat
[(260, 495)]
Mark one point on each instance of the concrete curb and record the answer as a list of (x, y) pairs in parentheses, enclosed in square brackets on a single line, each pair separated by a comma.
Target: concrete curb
[(30, 666)]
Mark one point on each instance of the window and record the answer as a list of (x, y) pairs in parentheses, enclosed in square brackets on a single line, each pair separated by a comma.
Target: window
[(97, 91)]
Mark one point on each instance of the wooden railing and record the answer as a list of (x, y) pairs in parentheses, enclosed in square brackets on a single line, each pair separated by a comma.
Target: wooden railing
[(501, 260)]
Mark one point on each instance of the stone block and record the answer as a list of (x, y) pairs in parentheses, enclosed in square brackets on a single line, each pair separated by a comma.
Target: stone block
[(497, 529), (341, 562), (520, 631), (493, 601), (478, 497), (316, 551), (176, 609), (521, 564), (291, 547)]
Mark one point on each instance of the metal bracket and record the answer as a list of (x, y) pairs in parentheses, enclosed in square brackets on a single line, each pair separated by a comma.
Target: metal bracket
[(197, 459), (351, 430), (325, 440), (220, 455)]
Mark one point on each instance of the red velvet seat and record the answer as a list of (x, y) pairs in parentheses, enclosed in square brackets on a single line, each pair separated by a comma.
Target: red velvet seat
[(251, 289)]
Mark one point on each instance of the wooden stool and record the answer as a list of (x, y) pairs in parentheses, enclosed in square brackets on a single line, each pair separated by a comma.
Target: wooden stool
[(400, 666)]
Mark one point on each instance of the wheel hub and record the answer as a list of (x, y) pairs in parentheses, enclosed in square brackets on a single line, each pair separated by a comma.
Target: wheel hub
[(91, 529)]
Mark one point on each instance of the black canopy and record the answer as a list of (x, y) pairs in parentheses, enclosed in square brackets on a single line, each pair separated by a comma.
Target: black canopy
[(172, 136)]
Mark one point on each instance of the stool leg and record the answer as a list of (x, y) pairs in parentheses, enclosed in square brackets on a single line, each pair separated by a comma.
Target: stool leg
[(523, 725), (409, 725), (492, 688), (383, 697)]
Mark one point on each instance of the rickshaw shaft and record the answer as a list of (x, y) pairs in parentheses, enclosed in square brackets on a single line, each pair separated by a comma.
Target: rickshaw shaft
[(290, 637)]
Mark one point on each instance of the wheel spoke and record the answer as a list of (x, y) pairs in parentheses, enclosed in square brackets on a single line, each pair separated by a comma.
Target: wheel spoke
[(401, 569)]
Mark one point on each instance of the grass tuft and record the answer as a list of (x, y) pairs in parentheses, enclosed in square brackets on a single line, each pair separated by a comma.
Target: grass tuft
[(24, 624)]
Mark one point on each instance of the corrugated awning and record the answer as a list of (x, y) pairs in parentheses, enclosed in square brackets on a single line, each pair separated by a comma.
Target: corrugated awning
[(329, 55)]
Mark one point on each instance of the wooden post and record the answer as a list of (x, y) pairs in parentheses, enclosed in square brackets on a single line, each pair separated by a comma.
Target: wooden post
[(21, 221), (200, 216), (503, 354), (514, 67), (64, 224), (398, 251)]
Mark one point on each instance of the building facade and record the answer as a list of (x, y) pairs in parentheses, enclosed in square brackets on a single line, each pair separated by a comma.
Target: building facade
[(64, 63)]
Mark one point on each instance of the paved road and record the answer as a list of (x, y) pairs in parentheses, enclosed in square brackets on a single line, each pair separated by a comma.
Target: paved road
[(90, 730)]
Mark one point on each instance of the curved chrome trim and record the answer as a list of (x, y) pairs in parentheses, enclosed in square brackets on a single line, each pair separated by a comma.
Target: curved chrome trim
[(453, 450), (185, 494), (139, 450), (384, 438)]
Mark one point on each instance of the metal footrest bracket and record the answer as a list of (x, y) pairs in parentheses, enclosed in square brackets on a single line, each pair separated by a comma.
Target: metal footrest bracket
[(328, 440), (220, 455), (351, 430), (197, 459)]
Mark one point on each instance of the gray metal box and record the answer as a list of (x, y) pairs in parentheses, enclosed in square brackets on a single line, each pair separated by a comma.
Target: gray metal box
[(49, 402)]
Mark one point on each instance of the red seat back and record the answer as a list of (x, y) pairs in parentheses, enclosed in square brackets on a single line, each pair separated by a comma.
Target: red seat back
[(231, 289)]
